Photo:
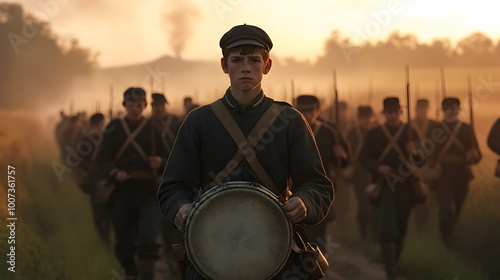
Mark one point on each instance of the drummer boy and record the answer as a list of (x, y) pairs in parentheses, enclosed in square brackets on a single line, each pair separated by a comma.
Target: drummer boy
[(204, 152)]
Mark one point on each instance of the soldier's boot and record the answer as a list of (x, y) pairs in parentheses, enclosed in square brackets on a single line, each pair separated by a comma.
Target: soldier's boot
[(363, 230), (399, 249), (389, 255), (129, 269), (147, 268), (447, 236)]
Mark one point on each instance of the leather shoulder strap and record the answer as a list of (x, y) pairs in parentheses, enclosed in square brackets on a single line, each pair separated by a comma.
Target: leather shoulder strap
[(453, 138), (244, 146), (131, 139), (392, 141)]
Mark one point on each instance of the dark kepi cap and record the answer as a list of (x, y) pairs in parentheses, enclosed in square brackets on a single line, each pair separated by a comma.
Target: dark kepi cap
[(134, 94), (158, 98), (365, 111), (245, 35), (96, 118), (422, 103), (391, 103), (450, 103), (307, 102)]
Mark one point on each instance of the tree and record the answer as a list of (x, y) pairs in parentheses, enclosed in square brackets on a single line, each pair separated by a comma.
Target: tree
[(36, 68)]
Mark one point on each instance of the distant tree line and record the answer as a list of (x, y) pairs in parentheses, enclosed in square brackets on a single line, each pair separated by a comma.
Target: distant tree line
[(477, 49), (36, 66)]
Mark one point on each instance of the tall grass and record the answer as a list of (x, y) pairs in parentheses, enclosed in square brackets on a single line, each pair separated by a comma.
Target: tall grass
[(55, 235), (477, 241)]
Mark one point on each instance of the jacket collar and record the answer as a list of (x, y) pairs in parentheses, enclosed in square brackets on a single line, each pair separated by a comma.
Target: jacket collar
[(231, 101)]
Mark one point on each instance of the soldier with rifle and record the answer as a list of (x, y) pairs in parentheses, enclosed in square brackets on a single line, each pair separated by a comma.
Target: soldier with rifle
[(494, 143), (93, 181), (168, 125), (130, 154), (422, 124), (332, 148), (451, 164), (366, 216), (389, 152)]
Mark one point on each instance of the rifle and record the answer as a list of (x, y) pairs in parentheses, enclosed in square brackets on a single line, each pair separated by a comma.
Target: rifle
[(469, 85), (337, 120), (410, 134), (443, 83), (110, 109), (336, 101)]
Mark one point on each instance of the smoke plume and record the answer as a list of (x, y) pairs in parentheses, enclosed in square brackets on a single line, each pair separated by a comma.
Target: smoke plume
[(179, 24)]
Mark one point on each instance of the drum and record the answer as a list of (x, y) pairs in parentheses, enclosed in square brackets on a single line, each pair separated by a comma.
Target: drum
[(238, 230)]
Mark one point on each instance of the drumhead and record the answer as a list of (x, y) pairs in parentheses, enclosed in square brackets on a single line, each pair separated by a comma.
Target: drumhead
[(238, 231)]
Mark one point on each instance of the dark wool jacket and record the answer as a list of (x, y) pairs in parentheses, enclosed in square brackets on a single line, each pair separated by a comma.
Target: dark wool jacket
[(375, 143), (113, 138), (203, 148)]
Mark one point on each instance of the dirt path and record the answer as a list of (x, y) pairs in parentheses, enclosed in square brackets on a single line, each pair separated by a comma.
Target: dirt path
[(345, 264)]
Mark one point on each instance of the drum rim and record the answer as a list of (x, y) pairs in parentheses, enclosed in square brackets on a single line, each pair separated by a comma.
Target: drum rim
[(227, 185)]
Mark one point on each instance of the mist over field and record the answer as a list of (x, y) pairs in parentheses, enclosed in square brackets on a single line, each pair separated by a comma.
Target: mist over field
[(43, 74)]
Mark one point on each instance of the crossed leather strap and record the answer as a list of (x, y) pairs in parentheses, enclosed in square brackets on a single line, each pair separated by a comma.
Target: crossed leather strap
[(131, 139), (246, 144), (392, 142)]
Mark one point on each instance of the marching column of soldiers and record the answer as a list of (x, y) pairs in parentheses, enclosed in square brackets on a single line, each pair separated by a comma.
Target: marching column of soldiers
[(121, 174)]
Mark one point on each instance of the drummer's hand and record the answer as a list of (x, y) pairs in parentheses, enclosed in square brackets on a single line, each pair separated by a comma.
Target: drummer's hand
[(180, 218), (295, 209), (155, 162)]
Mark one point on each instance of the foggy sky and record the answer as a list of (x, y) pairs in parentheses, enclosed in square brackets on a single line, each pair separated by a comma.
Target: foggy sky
[(126, 32)]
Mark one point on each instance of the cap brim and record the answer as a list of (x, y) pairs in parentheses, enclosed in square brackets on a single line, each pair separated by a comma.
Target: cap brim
[(245, 42)]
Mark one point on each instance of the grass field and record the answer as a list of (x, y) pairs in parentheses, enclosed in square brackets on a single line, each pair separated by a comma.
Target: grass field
[(56, 239), (477, 239)]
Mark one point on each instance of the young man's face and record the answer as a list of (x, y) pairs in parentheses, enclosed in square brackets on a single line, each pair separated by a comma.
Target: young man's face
[(311, 115), (365, 122), (451, 115), (134, 108), (245, 71), (421, 113), (159, 109), (392, 117)]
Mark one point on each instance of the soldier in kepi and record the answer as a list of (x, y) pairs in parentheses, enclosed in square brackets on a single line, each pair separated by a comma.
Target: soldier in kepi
[(388, 153), (456, 150), (332, 148), (168, 124), (127, 157), (494, 143), (366, 216), (205, 147), (422, 124), (93, 181)]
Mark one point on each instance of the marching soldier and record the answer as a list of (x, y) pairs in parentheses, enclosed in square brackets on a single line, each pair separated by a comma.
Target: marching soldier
[(93, 180), (127, 159), (169, 125), (494, 143), (422, 124), (331, 146), (494, 137), (455, 151), (388, 153), (367, 218)]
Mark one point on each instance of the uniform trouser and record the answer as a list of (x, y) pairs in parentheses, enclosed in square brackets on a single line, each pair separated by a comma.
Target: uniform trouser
[(137, 222), (394, 208), (366, 216), (451, 191), (171, 236), (102, 218)]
